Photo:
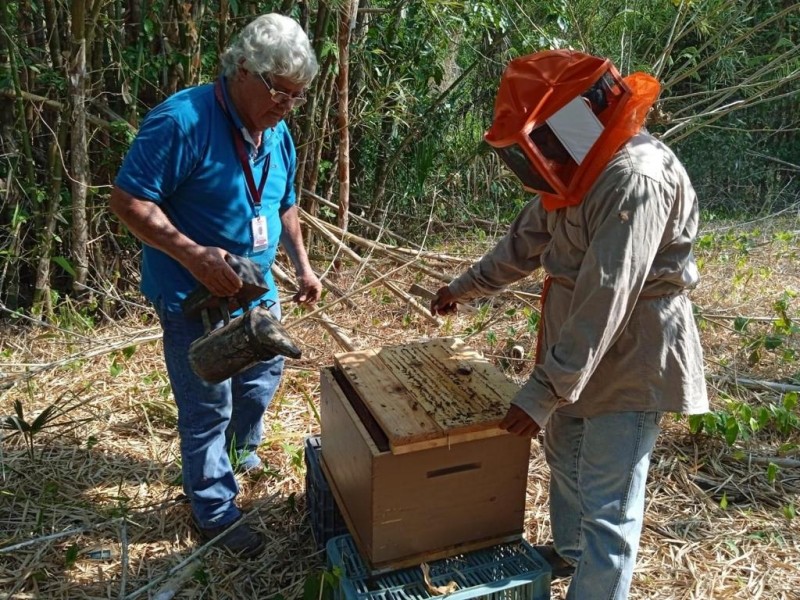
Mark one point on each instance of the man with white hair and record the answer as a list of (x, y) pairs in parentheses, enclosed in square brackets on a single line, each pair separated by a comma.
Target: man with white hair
[(211, 174)]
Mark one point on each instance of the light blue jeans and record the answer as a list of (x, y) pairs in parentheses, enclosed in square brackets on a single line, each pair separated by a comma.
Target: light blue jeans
[(217, 423), (598, 471)]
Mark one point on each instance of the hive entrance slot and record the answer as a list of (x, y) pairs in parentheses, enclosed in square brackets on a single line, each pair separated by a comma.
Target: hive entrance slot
[(452, 470)]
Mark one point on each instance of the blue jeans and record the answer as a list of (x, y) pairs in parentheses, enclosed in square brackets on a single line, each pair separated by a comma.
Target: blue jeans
[(218, 423), (598, 471)]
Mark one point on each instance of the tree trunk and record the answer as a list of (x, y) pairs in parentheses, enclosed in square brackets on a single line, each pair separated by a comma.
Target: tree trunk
[(322, 133), (345, 27), (222, 26), (42, 302), (79, 159), (9, 274), (189, 27), (308, 140), (51, 19), (357, 79), (314, 128)]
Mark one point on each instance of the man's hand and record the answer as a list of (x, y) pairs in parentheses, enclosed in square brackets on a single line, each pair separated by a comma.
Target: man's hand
[(518, 422), (444, 303), (310, 289), (209, 267)]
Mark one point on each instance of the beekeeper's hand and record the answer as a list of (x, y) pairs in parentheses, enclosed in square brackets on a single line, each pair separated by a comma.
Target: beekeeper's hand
[(444, 302), (518, 422)]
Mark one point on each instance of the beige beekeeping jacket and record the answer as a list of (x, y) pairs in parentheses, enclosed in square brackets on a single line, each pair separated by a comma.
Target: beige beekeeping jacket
[(619, 334)]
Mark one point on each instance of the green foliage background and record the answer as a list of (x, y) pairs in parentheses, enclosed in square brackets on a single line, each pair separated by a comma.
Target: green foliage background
[(423, 76)]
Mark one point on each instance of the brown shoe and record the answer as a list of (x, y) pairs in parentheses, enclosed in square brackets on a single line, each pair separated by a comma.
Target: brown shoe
[(559, 566), (242, 540)]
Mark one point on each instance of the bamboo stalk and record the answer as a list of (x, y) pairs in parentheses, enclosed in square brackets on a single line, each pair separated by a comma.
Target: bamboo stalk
[(734, 317), (54, 41), (716, 110), (9, 273), (27, 146), (416, 306), (749, 33), (346, 23), (337, 333), (192, 558), (778, 461), (389, 251), (396, 253), (357, 218), (41, 296), (327, 100), (754, 384), (288, 281), (55, 105), (79, 157), (174, 583), (363, 288), (395, 249)]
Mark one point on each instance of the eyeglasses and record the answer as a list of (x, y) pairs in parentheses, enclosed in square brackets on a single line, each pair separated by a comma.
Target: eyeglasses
[(279, 97)]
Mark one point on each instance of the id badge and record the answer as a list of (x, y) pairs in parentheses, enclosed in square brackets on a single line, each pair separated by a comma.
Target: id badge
[(260, 238)]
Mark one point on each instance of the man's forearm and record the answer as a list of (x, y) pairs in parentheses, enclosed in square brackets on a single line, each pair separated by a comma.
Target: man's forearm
[(148, 222), (292, 240)]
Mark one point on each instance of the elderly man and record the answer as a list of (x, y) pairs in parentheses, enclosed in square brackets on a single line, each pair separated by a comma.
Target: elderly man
[(612, 226), (211, 174)]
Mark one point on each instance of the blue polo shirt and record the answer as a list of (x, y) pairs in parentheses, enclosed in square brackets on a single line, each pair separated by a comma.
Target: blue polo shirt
[(184, 159)]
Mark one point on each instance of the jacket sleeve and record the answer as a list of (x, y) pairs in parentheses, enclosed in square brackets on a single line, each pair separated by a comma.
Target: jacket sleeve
[(625, 222), (515, 256)]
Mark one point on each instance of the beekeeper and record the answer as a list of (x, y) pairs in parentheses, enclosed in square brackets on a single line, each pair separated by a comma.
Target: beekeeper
[(612, 225)]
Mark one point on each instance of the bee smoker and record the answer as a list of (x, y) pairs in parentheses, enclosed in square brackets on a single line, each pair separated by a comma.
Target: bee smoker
[(239, 342)]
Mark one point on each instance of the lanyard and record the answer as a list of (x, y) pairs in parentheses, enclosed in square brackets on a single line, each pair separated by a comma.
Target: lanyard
[(255, 193)]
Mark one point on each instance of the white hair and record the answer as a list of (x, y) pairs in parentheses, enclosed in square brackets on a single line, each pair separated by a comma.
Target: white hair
[(272, 44)]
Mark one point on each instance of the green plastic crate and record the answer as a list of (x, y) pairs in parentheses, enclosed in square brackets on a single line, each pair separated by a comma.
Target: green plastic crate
[(510, 571), (326, 520)]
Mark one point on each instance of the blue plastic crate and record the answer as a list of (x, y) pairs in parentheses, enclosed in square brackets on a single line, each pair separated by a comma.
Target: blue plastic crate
[(511, 571), (326, 520)]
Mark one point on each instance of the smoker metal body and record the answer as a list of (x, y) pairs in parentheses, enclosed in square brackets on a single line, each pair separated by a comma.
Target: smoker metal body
[(239, 344), (242, 341)]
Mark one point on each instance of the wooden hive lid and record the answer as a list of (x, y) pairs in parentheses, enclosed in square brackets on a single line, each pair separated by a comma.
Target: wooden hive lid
[(429, 394)]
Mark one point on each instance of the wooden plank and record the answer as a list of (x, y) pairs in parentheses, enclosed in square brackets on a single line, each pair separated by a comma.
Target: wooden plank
[(457, 387), (347, 455), (458, 437), (399, 414), (443, 386), (429, 394), (489, 387), (444, 497)]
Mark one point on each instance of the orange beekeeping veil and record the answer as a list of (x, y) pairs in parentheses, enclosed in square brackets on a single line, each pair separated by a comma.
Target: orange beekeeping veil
[(561, 115)]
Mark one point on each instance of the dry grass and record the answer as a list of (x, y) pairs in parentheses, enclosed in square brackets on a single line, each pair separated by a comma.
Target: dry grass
[(93, 508)]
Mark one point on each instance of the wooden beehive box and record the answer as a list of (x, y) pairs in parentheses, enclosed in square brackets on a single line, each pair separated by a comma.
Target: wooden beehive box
[(414, 455)]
